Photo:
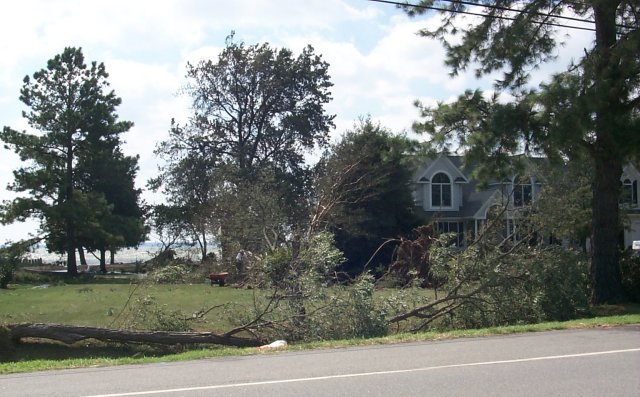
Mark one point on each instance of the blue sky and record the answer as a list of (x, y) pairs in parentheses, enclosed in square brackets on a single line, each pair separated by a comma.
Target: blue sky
[(378, 64)]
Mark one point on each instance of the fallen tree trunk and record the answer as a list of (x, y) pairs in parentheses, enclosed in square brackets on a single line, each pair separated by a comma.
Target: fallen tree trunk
[(71, 334)]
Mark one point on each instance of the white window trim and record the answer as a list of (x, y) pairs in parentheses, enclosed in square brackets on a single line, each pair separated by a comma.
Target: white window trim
[(515, 183), (430, 192)]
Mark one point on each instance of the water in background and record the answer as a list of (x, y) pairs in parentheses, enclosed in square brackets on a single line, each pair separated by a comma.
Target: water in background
[(143, 253)]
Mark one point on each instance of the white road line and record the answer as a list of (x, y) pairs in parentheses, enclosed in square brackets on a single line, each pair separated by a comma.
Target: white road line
[(362, 374)]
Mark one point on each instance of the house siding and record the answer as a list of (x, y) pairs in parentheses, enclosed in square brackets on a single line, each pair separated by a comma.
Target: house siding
[(470, 203)]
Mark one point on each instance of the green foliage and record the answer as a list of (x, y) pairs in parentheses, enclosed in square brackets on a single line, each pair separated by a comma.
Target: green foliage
[(149, 314), (23, 277), (358, 178), (73, 163), (236, 169), (346, 312), (268, 133), (563, 208), (320, 254), (588, 112), (170, 274), (169, 223), (316, 258), (630, 269), (10, 257), (300, 305), (497, 281), (7, 267), (561, 279), (275, 266), (257, 215), (523, 285), (106, 174)]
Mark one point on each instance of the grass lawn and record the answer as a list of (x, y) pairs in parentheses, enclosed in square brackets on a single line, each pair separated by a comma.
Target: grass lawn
[(109, 302)]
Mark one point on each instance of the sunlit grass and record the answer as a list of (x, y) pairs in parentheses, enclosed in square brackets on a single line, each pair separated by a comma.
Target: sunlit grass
[(103, 303), (119, 355)]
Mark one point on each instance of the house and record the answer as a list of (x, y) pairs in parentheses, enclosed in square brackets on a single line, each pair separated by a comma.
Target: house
[(630, 205), (449, 197)]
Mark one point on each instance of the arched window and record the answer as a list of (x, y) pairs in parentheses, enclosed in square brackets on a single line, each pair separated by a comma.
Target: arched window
[(522, 191), (629, 194), (440, 190)]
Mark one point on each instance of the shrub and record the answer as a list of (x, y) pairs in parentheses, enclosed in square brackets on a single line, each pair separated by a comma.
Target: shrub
[(346, 312), (171, 274), (148, 314), (508, 282), (529, 285), (274, 269), (7, 267), (10, 257), (560, 283), (630, 272), (299, 304), (25, 277)]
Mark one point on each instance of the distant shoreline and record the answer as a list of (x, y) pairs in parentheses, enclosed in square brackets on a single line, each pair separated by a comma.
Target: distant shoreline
[(143, 253)]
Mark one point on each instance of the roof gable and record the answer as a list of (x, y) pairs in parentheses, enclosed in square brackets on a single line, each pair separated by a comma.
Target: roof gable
[(631, 172), (441, 164)]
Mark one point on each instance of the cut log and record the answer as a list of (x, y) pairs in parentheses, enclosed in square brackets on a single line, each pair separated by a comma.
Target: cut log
[(70, 334)]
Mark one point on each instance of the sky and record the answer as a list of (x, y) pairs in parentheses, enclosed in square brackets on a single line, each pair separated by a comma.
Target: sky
[(378, 64)]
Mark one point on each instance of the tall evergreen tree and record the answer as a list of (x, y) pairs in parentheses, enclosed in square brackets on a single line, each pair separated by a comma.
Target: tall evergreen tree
[(368, 173), (70, 109), (590, 110), (104, 171)]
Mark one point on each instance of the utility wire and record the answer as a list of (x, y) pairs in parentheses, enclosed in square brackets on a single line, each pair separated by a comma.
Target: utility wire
[(536, 13), (541, 14), (397, 3)]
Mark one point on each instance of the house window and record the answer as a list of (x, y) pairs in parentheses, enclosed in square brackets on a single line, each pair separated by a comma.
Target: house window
[(629, 192), (456, 228), (522, 192), (440, 190)]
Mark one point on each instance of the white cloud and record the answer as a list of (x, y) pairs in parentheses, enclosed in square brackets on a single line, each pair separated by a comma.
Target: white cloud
[(378, 64)]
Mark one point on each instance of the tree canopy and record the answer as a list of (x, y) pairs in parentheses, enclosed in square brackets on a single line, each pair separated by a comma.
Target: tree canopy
[(365, 185), (259, 106), (256, 111), (74, 175), (588, 111)]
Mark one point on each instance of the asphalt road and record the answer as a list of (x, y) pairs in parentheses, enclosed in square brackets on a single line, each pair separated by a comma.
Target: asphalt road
[(592, 362)]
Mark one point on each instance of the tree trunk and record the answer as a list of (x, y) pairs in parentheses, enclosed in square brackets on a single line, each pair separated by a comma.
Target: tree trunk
[(609, 155), (606, 284), (112, 258), (204, 245), (72, 266), (83, 260), (297, 294), (103, 260), (71, 334)]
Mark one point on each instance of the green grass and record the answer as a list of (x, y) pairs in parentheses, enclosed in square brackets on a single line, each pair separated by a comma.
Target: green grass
[(103, 303), (34, 357), (100, 303)]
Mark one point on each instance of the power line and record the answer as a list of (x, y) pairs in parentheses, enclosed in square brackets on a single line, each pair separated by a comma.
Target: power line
[(501, 8), (396, 3)]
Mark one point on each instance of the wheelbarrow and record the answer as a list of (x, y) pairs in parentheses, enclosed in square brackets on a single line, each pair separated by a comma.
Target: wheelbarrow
[(218, 278)]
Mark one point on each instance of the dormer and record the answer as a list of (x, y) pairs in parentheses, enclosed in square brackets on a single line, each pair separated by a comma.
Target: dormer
[(440, 186), (629, 187)]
